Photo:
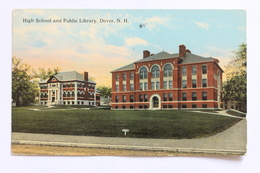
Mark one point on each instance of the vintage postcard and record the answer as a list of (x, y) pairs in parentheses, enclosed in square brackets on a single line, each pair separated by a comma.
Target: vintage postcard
[(129, 82)]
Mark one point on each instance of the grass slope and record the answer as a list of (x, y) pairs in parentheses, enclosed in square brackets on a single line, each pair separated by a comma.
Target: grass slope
[(142, 124)]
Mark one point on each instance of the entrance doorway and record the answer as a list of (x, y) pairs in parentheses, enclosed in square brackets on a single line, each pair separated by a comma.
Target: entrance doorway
[(155, 102), (53, 99)]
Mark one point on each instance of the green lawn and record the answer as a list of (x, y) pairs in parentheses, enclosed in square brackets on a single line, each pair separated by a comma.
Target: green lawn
[(142, 124)]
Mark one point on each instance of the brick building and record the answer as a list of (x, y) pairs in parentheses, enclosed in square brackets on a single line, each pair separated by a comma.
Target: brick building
[(68, 88), (168, 81)]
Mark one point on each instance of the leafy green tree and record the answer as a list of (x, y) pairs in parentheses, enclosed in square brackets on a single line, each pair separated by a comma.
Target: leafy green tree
[(44, 74), (235, 87), (24, 89), (105, 91)]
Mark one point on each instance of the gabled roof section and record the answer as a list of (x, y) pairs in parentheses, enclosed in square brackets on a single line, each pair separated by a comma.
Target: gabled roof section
[(126, 67), (159, 56), (68, 76), (192, 58)]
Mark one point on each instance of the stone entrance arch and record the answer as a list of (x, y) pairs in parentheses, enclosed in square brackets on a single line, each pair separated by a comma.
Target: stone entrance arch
[(155, 101)]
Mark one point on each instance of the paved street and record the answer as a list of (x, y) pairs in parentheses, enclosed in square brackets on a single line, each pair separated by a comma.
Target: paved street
[(231, 141)]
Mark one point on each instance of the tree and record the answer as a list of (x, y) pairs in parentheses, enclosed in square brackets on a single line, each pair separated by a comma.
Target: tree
[(105, 91), (43, 74), (235, 88), (24, 89)]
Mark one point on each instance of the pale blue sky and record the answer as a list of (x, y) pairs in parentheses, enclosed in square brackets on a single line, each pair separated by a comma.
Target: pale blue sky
[(99, 48)]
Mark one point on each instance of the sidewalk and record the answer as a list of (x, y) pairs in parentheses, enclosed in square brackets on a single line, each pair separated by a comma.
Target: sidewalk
[(230, 142)]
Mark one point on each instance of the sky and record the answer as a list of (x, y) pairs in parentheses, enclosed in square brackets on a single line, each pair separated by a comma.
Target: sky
[(61, 38)]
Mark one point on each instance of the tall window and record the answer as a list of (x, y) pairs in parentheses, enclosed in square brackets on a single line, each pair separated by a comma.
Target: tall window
[(131, 76), (141, 97), (194, 96), (157, 85), (170, 84), (164, 96), (184, 84), (164, 84), (170, 96), (204, 82), (117, 88), (124, 87), (124, 98), (183, 69), (204, 96), (132, 87), (194, 70), (131, 98), (117, 77), (143, 73), (145, 97), (204, 69), (153, 86), (117, 99), (141, 86), (155, 72), (194, 83), (145, 86), (167, 71), (124, 76), (184, 96)]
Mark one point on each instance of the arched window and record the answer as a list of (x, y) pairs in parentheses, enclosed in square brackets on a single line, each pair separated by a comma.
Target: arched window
[(167, 70), (73, 94), (68, 94), (64, 94), (155, 72), (143, 73), (45, 95)]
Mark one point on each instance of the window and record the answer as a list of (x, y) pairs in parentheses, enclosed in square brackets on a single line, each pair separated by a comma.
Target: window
[(170, 96), (117, 99), (124, 76), (141, 97), (145, 97), (143, 73), (204, 106), (117, 77), (141, 86), (170, 106), (124, 87), (194, 96), (117, 88), (132, 87), (204, 82), (204, 96), (164, 106), (170, 84), (131, 76), (131, 107), (184, 96), (131, 98), (157, 85), (145, 106), (68, 94), (164, 96), (184, 106), (116, 107), (153, 86), (73, 94), (145, 86), (194, 83), (140, 106), (72, 102), (64, 94), (164, 84), (194, 70), (204, 69), (194, 106), (123, 107), (155, 72), (167, 71), (184, 84), (183, 69), (124, 98)]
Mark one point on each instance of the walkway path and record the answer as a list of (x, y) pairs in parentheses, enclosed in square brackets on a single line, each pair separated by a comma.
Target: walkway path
[(231, 142)]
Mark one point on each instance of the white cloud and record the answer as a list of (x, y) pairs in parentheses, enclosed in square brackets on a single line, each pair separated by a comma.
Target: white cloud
[(153, 22), (135, 41), (201, 24)]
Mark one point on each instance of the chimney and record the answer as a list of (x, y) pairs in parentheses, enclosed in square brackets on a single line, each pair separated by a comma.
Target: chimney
[(86, 76), (146, 53), (152, 54), (182, 50), (187, 50)]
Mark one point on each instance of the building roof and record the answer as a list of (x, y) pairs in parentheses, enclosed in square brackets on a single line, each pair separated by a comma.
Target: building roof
[(68, 76), (189, 58)]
